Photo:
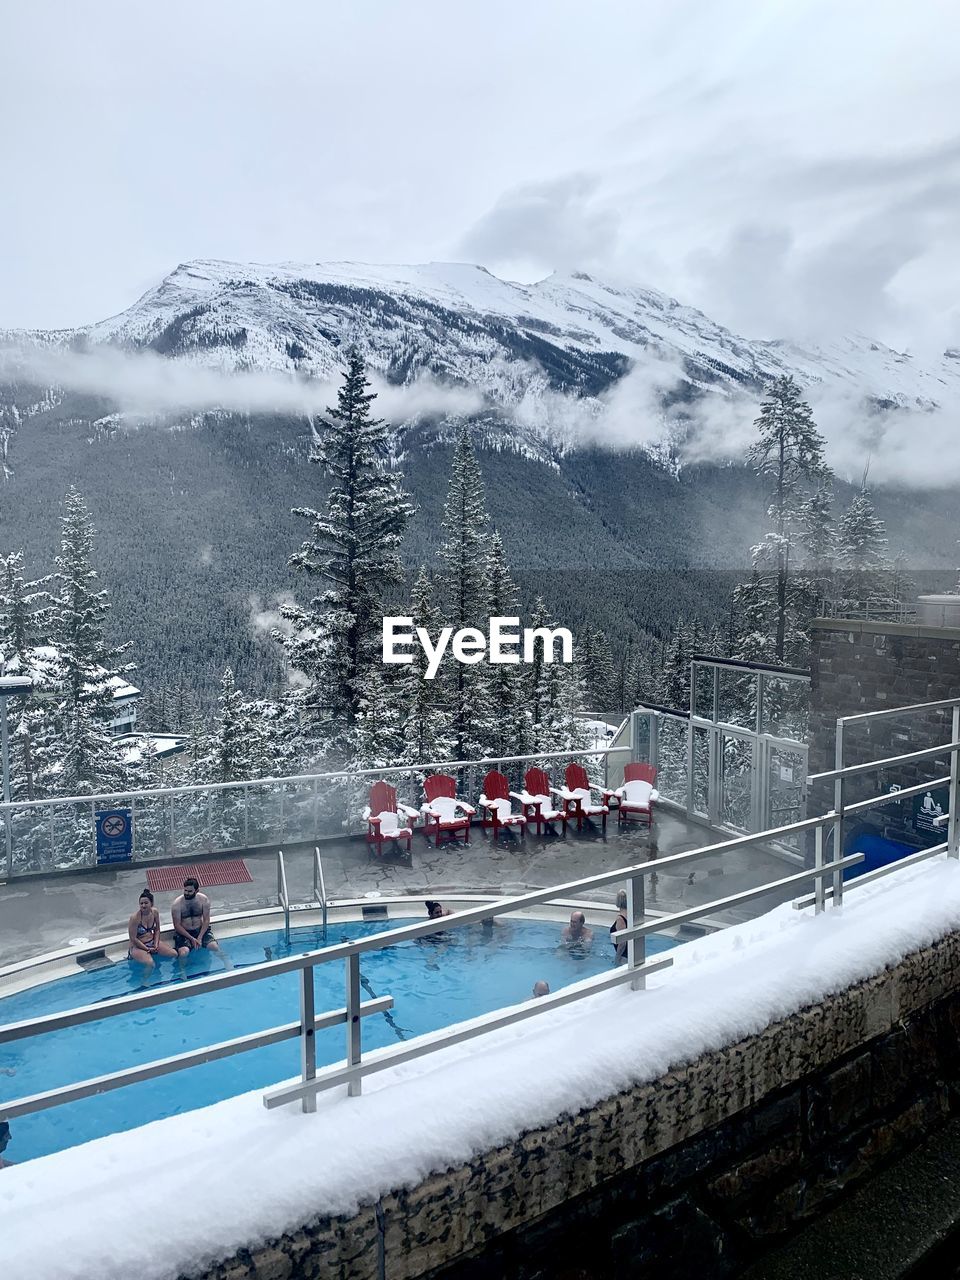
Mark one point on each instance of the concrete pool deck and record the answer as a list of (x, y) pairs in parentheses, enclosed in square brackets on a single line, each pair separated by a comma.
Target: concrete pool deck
[(44, 914)]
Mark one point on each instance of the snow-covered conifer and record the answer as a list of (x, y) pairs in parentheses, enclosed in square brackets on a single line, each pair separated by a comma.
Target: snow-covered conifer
[(353, 552), (789, 456), (862, 550), (464, 596)]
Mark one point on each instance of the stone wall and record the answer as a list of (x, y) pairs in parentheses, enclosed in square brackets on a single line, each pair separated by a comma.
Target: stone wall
[(698, 1172), (873, 666)]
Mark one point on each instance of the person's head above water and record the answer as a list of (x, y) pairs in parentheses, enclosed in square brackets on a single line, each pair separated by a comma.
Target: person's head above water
[(434, 909), (541, 988), (577, 921)]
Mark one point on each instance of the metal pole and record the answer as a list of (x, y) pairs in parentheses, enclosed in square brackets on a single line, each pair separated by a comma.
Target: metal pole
[(838, 825), (246, 817), (308, 1037), (355, 1086), (173, 839), (953, 845), (7, 815), (636, 947), (819, 888)]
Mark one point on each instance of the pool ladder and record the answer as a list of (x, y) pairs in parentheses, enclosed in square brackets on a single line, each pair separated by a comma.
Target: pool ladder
[(319, 892)]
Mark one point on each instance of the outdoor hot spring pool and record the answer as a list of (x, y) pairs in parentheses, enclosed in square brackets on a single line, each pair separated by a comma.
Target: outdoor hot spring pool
[(437, 980)]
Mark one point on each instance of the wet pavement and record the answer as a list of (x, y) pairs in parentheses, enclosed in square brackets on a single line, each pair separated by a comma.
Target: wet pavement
[(45, 914)]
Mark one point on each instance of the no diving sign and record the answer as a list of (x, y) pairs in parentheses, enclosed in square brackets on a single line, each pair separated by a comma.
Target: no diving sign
[(114, 836)]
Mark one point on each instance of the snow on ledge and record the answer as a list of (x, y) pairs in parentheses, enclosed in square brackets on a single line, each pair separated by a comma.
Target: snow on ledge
[(138, 1204)]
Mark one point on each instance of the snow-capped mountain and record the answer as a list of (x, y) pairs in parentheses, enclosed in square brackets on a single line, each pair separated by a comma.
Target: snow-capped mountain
[(517, 345)]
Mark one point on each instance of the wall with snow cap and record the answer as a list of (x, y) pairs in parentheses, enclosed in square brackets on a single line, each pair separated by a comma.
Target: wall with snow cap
[(698, 1171)]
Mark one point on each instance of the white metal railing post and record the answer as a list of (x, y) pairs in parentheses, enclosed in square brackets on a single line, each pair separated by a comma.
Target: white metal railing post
[(246, 817), (355, 1085), (838, 823), (953, 840), (819, 888), (308, 1036), (93, 815), (172, 824), (636, 947)]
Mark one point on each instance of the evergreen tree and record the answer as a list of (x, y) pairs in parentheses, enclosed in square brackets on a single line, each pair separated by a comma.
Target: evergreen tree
[(24, 626), (464, 595), (674, 690), (354, 552), (861, 549), (425, 733), (508, 732), (555, 694), (789, 455), (86, 666)]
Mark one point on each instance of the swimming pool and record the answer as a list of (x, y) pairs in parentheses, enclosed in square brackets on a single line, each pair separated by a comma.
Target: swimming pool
[(437, 980)]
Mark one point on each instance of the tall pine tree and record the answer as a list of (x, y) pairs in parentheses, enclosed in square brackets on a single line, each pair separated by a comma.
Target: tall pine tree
[(789, 456), (87, 666), (862, 550), (464, 596), (353, 552)]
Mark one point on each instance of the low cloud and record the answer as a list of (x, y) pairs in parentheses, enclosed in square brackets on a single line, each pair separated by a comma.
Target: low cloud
[(145, 384), (545, 226), (265, 619)]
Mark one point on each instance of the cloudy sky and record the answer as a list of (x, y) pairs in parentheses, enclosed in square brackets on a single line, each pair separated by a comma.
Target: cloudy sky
[(790, 166)]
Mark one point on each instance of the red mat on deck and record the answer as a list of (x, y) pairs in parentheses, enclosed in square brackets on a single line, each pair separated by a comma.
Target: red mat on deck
[(162, 879)]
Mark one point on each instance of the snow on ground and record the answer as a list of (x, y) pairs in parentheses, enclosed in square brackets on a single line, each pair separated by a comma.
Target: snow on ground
[(181, 1192)]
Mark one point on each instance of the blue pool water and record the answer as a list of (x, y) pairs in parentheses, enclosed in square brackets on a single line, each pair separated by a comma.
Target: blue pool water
[(437, 980)]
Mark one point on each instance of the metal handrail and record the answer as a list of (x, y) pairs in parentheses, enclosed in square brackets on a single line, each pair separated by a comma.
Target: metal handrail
[(283, 897), (898, 711), (340, 775), (319, 888), (851, 770), (878, 873)]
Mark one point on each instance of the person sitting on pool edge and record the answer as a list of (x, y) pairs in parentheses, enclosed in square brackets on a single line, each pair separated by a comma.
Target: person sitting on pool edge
[(576, 934), (191, 920), (143, 928)]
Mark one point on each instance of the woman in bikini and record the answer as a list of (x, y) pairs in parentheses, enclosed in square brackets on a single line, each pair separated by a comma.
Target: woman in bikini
[(143, 930)]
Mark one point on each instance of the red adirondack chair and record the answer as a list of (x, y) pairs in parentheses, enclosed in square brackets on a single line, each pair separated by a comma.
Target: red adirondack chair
[(635, 798), (495, 801), (386, 818), (535, 800), (577, 796), (443, 812)]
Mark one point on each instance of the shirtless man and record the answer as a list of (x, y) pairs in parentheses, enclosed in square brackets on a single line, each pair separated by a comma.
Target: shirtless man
[(191, 920), (576, 933)]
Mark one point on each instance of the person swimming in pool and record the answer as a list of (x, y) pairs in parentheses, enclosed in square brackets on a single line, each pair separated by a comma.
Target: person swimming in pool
[(191, 920), (576, 934), (143, 929)]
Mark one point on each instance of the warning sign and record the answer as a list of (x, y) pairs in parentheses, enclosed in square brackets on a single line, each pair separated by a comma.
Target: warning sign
[(926, 809), (114, 836)]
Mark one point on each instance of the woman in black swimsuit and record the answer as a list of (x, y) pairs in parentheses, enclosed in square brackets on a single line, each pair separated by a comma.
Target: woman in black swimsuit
[(620, 947), (143, 929)]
